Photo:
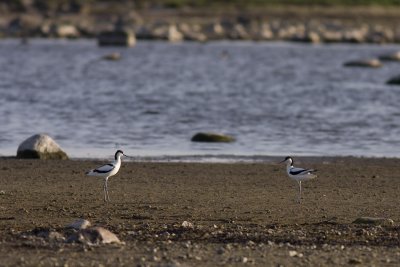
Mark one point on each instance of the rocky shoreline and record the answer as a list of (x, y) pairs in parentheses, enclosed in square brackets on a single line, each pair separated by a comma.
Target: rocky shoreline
[(314, 25)]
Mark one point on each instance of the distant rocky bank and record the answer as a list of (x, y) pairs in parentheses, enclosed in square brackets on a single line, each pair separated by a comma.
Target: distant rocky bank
[(287, 23)]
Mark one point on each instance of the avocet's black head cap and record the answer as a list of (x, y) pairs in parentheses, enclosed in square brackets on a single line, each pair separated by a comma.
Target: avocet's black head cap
[(118, 152), (287, 158)]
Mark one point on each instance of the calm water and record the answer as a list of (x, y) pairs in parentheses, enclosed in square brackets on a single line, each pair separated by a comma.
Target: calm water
[(275, 98)]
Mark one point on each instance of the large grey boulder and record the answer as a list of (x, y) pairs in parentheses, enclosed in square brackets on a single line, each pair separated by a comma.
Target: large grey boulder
[(40, 146)]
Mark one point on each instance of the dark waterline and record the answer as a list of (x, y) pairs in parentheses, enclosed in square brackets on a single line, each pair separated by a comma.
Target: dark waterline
[(274, 98)]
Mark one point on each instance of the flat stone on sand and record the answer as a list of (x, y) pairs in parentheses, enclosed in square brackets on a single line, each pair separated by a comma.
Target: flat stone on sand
[(99, 235), (374, 221)]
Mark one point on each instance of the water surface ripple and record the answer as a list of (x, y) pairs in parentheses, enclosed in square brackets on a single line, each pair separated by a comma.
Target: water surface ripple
[(275, 98)]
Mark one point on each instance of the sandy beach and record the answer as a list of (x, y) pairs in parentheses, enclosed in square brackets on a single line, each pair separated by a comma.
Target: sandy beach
[(241, 213)]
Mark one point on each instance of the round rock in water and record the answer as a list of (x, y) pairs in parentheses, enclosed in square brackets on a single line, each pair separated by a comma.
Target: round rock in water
[(369, 63), (394, 81), (212, 137), (40, 146)]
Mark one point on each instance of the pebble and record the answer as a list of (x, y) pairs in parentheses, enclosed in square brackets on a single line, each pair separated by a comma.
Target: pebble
[(354, 261), (187, 224)]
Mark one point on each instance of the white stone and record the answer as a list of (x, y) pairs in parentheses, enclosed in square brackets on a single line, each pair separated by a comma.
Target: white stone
[(174, 35), (40, 146), (99, 235), (187, 224)]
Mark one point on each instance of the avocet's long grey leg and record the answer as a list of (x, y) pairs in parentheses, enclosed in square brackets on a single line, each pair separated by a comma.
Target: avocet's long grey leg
[(300, 192), (108, 197), (105, 189)]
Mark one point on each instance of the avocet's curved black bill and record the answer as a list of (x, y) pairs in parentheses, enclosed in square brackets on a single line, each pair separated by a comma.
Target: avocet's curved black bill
[(286, 159)]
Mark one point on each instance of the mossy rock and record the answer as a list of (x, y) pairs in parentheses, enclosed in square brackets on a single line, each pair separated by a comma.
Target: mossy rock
[(212, 138)]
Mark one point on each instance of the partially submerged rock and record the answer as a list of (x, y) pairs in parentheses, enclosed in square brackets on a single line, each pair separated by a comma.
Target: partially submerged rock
[(374, 221), (212, 137), (369, 63), (40, 146), (394, 81), (390, 57), (113, 56)]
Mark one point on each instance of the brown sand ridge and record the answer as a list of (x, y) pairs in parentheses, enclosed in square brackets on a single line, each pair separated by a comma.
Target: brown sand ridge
[(242, 213)]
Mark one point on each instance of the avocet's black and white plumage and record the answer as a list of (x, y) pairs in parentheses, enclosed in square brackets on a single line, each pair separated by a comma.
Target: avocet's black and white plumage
[(108, 170), (298, 174)]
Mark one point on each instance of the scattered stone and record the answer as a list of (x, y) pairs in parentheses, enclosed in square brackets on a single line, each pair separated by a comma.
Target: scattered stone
[(116, 38), (173, 34), (293, 253), (369, 63), (51, 235), (394, 81), (354, 261), (113, 56), (162, 31), (187, 224), (79, 224), (390, 57), (220, 251), (212, 137), (64, 31), (98, 235), (40, 146), (374, 221)]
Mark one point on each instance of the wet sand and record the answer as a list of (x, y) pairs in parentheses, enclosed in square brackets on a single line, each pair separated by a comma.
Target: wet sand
[(242, 213)]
